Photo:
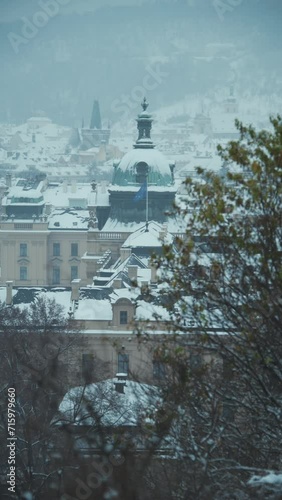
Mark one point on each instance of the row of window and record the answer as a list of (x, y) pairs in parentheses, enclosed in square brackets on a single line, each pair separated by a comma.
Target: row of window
[(56, 249), (88, 366), (56, 278)]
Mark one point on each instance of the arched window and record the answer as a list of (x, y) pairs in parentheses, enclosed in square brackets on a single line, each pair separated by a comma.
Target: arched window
[(142, 170)]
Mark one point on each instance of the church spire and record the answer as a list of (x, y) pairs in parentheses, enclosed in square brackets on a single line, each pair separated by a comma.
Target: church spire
[(144, 125), (96, 116)]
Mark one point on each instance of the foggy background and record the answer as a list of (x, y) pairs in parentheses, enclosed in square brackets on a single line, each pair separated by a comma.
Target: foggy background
[(102, 49)]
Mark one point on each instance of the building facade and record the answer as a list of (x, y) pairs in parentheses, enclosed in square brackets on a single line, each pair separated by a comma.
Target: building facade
[(52, 233)]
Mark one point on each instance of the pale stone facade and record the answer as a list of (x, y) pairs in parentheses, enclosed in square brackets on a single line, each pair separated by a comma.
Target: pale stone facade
[(33, 255)]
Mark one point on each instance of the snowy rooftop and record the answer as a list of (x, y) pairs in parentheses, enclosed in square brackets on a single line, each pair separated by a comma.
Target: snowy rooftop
[(23, 296), (151, 188), (59, 195), (159, 170), (27, 195), (91, 309), (152, 238), (174, 225), (148, 311), (69, 219), (101, 404)]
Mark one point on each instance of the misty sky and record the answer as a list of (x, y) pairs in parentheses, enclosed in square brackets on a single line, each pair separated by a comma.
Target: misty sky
[(56, 56)]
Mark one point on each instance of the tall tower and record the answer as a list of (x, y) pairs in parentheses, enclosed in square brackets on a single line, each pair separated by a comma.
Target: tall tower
[(96, 116), (95, 135), (144, 163), (231, 104)]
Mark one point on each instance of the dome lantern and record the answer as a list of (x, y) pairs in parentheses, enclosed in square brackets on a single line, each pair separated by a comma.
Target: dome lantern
[(144, 125), (144, 162)]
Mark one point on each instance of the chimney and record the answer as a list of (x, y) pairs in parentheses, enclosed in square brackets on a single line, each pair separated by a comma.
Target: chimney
[(48, 208), (65, 186), (120, 383), (9, 293), (124, 253), (75, 289), (144, 286), (73, 187), (117, 283), (163, 232), (103, 187), (119, 386), (154, 277), (9, 180), (132, 272)]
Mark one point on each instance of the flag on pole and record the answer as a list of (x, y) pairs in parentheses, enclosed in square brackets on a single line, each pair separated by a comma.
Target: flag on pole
[(141, 194)]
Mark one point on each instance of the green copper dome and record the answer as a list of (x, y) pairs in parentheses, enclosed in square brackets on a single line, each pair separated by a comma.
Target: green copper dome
[(134, 166), (143, 162)]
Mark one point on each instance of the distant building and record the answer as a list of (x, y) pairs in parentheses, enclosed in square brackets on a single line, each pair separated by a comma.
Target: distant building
[(231, 103), (202, 124), (95, 135), (36, 122), (144, 165), (51, 234), (40, 245)]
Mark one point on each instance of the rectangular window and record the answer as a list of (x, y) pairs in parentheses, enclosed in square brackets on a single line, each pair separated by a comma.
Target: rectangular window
[(123, 363), (87, 366), (56, 249), (23, 273), (123, 317), (23, 250), (195, 361), (74, 249), (56, 276), (159, 370), (74, 273)]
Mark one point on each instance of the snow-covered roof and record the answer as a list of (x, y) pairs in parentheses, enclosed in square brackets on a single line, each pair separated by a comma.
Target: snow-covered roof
[(59, 195), (101, 404), (148, 311), (123, 293), (152, 238), (69, 219), (159, 170), (24, 296), (134, 189), (122, 227), (174, 225), (91, 309), (99, 198), (39, 119), (20, 195)]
